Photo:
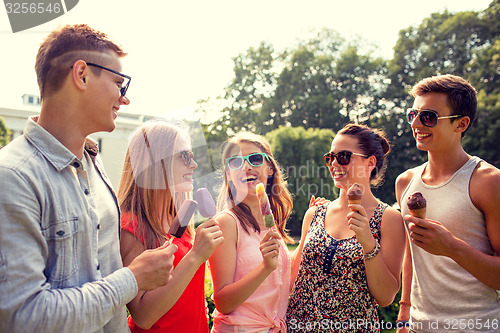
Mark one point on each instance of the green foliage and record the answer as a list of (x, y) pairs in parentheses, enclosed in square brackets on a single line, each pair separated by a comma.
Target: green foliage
[(300, 153), (209, 291), (4, 133)]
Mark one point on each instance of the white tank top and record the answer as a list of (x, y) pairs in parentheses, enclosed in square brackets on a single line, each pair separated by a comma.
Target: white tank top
[(443, 294)]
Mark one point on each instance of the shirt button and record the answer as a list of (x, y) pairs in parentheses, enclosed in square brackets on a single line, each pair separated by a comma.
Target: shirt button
[(98, 226), (86, 191), (98, 267), (76, 165)]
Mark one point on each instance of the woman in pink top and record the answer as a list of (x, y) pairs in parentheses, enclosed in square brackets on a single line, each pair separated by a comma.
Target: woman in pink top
[(251, 269)]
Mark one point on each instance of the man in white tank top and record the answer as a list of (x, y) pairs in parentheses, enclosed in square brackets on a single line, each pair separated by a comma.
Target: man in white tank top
[(451, 270)]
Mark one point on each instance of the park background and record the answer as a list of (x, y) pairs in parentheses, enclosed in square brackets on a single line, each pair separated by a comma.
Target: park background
[(301, 94)]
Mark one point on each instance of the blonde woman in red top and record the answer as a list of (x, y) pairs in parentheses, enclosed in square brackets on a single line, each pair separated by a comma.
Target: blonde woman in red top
[(157, 177)]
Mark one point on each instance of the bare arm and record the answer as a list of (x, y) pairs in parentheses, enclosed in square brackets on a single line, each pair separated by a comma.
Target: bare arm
[(229, 294), (407, 270), (297, 254), (148, 307), (404, 306), (384, 270)]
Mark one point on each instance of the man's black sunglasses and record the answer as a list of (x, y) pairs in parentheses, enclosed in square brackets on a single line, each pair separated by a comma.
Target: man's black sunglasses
[(126, 82), (428, 118)]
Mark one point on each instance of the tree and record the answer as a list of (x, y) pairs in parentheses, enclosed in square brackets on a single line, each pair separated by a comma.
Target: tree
[(254, 79), (4, 133), (325, 83), (300, 154)]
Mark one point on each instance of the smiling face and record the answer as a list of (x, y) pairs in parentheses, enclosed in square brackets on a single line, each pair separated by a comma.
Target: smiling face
[(443, 135), (182, 168), (104, 95), (359, 168), (246, 178)]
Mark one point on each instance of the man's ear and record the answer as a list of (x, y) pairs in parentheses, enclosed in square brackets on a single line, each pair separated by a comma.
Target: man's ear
[(462, 124), (79, 74)]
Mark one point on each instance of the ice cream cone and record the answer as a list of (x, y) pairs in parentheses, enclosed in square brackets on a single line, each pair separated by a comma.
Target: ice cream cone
[(420, 213), (417, 205)]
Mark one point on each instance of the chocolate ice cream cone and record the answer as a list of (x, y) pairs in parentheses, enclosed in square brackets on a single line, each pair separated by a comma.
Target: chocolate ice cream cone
[(420, 213)]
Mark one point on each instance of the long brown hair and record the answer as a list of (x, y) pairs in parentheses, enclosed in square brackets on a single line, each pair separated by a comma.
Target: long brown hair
[(145, 184), (276, 189)]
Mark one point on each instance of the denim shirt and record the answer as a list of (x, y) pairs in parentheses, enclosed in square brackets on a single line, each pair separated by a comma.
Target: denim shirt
[(50, 275)]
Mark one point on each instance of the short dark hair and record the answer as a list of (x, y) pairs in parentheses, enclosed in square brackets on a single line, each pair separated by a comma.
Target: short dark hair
[(372, 142), (63, 47), (462, 96)]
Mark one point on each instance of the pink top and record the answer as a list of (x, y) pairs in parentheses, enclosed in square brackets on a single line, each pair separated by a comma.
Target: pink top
[(265, 309)]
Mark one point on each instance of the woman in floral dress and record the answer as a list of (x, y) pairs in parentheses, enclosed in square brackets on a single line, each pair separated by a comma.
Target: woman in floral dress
[(349, 258)]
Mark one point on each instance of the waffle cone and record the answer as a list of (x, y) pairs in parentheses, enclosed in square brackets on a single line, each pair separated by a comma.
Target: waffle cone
[(420, 213), (354, 202)]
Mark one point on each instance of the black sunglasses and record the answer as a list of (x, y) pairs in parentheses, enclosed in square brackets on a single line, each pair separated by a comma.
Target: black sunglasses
[(428, 118), (343, 157), (125, 83), (255, 160)]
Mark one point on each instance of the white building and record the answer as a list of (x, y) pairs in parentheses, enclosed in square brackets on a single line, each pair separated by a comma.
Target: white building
[(112, 146)]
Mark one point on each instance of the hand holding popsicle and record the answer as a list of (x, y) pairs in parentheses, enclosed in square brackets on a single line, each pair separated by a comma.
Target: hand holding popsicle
[(181, 220), (265, 206), (208, 234)]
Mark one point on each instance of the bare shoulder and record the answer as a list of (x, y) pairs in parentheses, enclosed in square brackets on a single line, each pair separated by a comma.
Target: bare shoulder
[(392, 218), (308, 216), (226, 220), (227, 225), (392, 213), (392, 230), (402, 182), (486, 175), (484, 185), (404, 178)]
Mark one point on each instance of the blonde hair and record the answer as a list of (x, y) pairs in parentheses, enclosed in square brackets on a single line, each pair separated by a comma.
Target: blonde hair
[(276, 189), (145, 189)]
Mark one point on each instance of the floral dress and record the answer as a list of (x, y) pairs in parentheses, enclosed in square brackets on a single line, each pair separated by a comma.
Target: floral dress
[(331, 292)]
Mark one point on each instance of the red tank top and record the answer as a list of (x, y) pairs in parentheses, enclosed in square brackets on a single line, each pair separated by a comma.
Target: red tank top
[(189, 314)]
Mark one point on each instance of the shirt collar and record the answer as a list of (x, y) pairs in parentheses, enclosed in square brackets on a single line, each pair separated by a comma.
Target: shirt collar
[(53, 150)]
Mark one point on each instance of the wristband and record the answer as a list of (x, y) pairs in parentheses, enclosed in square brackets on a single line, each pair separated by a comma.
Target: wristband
[(403, 324), (404, 303), (373, 253)]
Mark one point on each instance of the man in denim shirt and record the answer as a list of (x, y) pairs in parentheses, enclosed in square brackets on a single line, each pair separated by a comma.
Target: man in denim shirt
[(60, 264)]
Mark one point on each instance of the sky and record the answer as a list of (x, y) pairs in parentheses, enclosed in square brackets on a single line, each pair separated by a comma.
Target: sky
[(181, 52)]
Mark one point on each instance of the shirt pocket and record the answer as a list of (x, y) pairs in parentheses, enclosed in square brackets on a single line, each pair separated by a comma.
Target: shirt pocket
[(61, 239)]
